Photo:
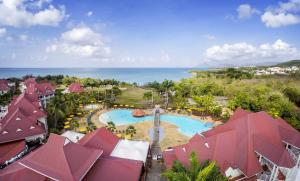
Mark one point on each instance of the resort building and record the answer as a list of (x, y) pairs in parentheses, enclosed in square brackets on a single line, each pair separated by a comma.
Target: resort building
[(4, 86), (3, 111), (74, 88), (249, 146), (25, 121), (45, 90), (276, 70), (73, 136), (89, 159)]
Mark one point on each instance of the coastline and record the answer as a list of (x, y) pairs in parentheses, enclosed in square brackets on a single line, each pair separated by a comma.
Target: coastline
[(130, 75)]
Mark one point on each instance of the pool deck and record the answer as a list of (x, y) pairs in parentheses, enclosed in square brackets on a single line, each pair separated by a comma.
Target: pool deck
[(172, 135)]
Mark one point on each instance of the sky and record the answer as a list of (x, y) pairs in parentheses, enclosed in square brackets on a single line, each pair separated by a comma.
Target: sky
[(148, 33)]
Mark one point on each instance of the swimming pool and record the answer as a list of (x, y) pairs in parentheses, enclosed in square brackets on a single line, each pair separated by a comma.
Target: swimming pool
[(186, 125)]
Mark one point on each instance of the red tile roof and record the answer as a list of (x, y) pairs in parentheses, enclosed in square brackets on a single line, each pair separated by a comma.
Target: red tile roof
[(75, 88), (16, 172), (115, 169), (21, 120), (29, 81), (4, 85), (59, 159), (100, 139), (41, 89), (236, 143), (9, 150)]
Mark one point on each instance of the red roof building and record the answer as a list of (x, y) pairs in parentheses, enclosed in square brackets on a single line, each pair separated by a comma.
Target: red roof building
[(4, 87), (61, 159), (9, 150), (115, 169), (243, 145), (24, 120), (100, 139), (44, 90), (75, 88)]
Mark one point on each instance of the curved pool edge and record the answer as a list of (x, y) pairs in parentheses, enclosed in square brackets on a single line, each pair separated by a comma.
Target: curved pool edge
[(196, 126)]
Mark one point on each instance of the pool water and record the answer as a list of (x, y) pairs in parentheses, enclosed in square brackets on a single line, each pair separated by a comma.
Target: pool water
[(186, 125)]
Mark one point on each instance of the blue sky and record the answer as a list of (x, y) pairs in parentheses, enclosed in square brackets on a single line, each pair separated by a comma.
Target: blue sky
[(147, 33)]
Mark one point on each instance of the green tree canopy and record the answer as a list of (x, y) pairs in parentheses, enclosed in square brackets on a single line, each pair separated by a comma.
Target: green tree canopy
[(195, 172)]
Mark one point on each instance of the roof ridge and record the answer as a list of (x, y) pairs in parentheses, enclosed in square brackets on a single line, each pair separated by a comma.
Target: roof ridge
[(66, 160)]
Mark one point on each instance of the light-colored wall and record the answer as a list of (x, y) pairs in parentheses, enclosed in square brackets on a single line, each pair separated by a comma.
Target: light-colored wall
[(44, 121), (232, 173), (30, 138)]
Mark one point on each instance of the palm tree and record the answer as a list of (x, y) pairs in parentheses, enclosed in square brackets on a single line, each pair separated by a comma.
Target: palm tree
[(195, 172), (55, 110), (111, 126), (130, 130)]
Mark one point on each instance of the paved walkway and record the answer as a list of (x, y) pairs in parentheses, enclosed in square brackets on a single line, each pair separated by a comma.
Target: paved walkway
[(154, 173)]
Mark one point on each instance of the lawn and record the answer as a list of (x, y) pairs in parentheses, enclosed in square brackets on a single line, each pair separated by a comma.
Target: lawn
[(132, 96)]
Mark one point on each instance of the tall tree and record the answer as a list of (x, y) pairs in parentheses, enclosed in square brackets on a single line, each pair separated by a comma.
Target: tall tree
[(195, 172)]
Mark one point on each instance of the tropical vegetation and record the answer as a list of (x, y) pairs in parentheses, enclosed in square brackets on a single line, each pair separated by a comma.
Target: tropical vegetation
[(196, 171)]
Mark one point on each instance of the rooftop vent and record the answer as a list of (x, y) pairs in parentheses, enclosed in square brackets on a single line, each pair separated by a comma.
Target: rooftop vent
[(19, 130), (206, 144), (4, 132)]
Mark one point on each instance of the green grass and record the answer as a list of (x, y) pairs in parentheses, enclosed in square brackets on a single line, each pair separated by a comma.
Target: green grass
[(132, 96)]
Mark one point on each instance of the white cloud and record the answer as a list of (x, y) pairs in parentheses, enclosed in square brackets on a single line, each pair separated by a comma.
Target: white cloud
[(90, 13), (285, 14), (2, 32), (19, 13), (275, 20), (81, 41), (244, 53), (209, 37), (245, 11), (23, 37), (291, 6)]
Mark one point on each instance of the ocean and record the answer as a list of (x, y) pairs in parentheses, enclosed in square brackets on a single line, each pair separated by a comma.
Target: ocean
[(138, 75)]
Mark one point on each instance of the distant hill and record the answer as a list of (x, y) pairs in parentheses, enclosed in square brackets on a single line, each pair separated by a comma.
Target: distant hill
[(289, 63)]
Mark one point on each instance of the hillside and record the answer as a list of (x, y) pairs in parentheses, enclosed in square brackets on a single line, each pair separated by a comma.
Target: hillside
[(289, 63)]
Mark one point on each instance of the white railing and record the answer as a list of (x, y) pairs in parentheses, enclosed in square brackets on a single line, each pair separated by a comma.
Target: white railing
[(294, 154), (263, 176), (267, 163), (284, 171)]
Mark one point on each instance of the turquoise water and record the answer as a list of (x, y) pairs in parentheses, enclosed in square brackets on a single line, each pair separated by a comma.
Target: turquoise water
[(138, 75), (186, 125)]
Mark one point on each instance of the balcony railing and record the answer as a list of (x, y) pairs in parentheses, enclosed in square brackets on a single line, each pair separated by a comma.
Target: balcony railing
[(294, 153), (263, 176)]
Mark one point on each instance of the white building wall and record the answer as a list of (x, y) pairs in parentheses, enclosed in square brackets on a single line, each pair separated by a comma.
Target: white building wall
[(31, 138), (44, 121), (232, 173), (3, 111)]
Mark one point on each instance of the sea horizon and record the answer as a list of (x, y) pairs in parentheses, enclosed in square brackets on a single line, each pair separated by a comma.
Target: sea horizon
[(140, 75)]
